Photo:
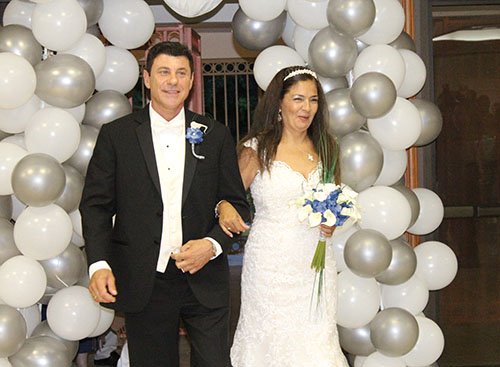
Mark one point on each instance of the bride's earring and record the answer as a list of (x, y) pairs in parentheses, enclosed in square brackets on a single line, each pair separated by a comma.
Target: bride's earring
[(279, 116)]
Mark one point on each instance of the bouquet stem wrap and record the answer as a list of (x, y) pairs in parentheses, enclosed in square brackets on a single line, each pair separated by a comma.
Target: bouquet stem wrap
[(318, 265)]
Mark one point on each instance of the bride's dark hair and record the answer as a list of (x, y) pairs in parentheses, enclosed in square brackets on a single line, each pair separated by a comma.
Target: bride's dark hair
[(268, 129)]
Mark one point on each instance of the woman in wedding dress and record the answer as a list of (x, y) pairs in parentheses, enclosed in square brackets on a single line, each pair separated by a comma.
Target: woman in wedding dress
[(287, 149)]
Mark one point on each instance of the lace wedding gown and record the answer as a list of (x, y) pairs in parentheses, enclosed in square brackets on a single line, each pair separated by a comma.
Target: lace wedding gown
[(276, 327)]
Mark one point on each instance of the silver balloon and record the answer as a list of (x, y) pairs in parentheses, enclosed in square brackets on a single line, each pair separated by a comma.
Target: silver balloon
[(432, 121), (404, 41), (356, 341), (5, 206), (360, 45), (329, 84), (19, 40), (367, 253), (41, 351), (373, 95), (332, 54), (255, 34), (344, 118), (38, 179), (403, 263), (43, 329), (64, 80), (412, 198), (94, 30), (352, 17), (8, 247), (65, 269), (12, 331), (361, 160), (81, 158), (70, 198), (394, 332), (106, 106), (93, 10)]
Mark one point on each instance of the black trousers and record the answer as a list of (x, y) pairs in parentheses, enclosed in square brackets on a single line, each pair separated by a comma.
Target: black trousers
[(153, 333)]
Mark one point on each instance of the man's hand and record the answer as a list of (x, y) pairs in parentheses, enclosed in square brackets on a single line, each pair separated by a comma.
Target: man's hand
[(194, 255), (102, 286)]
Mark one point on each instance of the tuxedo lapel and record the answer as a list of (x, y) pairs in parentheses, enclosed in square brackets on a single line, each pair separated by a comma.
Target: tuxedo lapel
[(146, 142), (189, 161)]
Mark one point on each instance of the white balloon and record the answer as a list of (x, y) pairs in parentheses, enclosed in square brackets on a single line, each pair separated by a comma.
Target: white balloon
[(431, 212), (77, 240), (106, 317), (10, 154), (78, 112), (271, 60), (436, 263), (22, 281), (309, 14), (411, 295), (14, 120), (18, 12), (399, 128), (377, 359), (289, 31), (395, 162), (91, 49), (121, 71), (384, 59), (4, 362), (359, 361), (72, 314), (17, 80), (32, 316), (42, 232), (384, 209), (338, 240), (388, 24), (76, 221), (358, 300), (430, 344), (53, 131), (59, 24), (192, 8), (127, 23), (302, 38), (262, 10), (17, 139), (414, 79)]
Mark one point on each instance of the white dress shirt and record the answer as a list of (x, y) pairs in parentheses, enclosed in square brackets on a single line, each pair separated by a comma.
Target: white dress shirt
[(169, 144)]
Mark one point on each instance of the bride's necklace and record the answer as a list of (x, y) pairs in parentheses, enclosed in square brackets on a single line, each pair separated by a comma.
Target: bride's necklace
[(309, 155)]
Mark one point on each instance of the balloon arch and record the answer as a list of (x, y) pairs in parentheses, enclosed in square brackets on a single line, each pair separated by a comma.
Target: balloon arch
[(51, 109)]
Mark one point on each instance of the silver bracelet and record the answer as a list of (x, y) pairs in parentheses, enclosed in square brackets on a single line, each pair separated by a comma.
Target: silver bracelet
[(217, 208)]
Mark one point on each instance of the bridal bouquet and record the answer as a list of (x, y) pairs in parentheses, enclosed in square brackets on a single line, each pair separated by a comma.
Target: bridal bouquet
[(328, 204)]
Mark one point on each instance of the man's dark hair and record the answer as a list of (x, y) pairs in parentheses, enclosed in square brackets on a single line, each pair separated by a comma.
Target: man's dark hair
[(168, 48)]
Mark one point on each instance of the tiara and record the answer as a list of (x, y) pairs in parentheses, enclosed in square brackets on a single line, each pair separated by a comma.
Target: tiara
[(299, 72)]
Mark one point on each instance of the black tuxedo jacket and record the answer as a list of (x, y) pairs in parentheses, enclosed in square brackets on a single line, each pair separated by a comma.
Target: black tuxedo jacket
[(122, 181)]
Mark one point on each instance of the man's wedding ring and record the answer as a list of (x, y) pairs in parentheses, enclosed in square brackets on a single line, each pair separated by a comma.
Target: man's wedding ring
[(228, 228)]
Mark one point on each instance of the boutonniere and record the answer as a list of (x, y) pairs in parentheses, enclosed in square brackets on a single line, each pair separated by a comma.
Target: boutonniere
[(194, 135)]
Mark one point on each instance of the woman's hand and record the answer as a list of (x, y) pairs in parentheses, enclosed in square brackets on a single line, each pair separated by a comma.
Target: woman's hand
[(327, 230), (230, 220)]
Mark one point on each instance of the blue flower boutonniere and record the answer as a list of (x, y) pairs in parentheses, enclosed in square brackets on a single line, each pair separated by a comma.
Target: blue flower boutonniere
[(195, 136)]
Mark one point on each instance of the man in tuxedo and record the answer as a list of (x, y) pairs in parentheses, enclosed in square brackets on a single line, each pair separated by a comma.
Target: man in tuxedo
[(164, 256)]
